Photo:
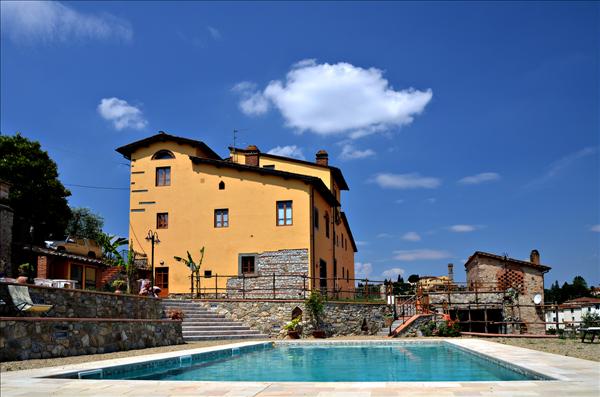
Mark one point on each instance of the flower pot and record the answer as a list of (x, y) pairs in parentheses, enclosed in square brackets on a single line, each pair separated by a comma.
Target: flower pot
[(319, 334), (294, 334)]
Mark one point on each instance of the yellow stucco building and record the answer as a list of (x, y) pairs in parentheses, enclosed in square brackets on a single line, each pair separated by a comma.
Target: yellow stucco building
[(256, 214)]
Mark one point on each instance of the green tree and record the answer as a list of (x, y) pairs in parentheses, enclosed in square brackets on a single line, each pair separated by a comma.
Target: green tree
[(413, 278), (38, 198), (84, 223)]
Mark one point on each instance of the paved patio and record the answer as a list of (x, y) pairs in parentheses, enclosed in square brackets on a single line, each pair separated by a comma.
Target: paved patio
[(574, 377)]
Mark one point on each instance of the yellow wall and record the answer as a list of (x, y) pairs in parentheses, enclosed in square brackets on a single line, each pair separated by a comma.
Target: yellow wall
[(290, 166), (345, 258), (191, 200)]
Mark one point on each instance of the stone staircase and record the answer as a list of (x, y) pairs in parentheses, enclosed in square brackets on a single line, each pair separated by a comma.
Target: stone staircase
[(385, 330), (201, 324)]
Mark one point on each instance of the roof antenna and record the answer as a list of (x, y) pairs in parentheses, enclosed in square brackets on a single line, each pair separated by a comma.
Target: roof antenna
[(234, 147)]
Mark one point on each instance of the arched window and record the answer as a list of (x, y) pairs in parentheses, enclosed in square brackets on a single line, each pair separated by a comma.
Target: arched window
[(163, 155), (221, 185)]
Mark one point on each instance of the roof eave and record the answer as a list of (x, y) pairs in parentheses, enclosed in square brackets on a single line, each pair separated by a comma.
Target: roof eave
[(316, 182)]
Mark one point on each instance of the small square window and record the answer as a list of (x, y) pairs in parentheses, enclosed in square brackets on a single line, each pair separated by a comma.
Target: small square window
[(163, 176), (284, 213), (162, 220), (208, 273), (222, 217), (247, 264)]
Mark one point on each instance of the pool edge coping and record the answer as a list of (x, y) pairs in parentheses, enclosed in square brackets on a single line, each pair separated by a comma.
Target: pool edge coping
[(487, 349)]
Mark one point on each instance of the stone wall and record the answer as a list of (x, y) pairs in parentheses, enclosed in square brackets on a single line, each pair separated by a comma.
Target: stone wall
[(270, 316), (86, 304), (414, 328), (465, 297), (28, 338), (6, 223), (290, 268)]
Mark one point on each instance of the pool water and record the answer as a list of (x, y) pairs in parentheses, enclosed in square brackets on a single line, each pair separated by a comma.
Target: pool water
[(336, 363)]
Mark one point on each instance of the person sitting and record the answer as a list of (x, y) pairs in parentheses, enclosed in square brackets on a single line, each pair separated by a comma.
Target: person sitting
[(144, 287)]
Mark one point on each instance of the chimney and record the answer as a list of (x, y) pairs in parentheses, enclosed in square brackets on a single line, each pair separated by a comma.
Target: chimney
[(252, 156), (534, 257), (451, 272), (322, 157)]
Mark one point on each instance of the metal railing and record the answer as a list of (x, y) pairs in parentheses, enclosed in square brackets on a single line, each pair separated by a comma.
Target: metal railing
[(285, 286)]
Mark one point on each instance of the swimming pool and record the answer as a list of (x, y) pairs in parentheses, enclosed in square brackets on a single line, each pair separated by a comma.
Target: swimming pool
[(322, 362)]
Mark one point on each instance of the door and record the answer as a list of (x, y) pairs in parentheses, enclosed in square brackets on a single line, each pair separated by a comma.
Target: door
[(323, 276), (161, 280)]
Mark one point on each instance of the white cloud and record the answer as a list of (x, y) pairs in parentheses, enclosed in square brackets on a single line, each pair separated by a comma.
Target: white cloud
[(420, 254), (252, 102), (557, 167), (393, 273), (362, 270), (479, 178), (214, 32), (595, 228), (288, 151), (340, 98), (463, 228), (384, 235), (50, 21), (349, 152), (362, 243), (399, 201), (121, 114), (411, 236), (431, 200), (405, 181)]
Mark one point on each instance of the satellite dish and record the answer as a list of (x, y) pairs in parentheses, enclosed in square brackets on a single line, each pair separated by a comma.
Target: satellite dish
[(537, 299)]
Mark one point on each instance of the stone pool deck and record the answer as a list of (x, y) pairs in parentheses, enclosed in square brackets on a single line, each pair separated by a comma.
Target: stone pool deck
[(574, 377)]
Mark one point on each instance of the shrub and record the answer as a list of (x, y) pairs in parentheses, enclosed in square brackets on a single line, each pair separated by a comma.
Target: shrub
[(119, 284), (446, 329), (449, 328), (175, 314), (316, 307), (293, 325), (590, 320), (428, 329)]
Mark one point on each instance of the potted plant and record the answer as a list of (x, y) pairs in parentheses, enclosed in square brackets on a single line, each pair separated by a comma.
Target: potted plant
[(316, 307), (118, 285), (389, 319), (293, 328)]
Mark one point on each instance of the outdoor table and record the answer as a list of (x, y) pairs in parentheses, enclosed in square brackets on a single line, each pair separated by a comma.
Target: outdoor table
[(590, 330)]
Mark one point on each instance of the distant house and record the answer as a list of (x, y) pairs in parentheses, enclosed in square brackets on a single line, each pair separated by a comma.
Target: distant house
[(487, 271), (570, 313), (433, 283)]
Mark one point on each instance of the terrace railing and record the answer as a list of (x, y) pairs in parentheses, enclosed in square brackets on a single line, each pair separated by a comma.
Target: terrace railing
[(287, 286)]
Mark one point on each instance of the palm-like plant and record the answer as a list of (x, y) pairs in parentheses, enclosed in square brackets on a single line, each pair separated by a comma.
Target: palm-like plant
[(194, 268), (110, 247)]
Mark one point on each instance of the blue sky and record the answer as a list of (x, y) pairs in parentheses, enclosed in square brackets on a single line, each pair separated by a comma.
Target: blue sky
[(458, 126)]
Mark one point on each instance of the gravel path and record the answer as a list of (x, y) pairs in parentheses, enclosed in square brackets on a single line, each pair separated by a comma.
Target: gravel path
[(565, 347)]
